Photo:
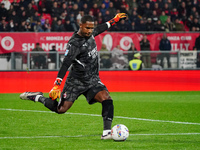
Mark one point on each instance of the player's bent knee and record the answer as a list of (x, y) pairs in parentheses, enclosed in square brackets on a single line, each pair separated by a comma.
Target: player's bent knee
[(64, 106)]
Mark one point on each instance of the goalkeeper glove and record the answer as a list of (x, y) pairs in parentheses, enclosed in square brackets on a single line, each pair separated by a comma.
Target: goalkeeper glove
[(117, 18), (56, 90)]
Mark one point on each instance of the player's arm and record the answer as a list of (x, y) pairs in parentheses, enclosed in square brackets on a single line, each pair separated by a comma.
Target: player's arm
[(70, 55), (103, 27)]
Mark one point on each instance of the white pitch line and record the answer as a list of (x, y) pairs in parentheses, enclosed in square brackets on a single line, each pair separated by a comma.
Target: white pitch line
[(119, 117), (78, 136), (165, 134)]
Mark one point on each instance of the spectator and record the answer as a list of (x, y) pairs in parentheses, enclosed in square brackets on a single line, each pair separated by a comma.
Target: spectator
[(111, 9), (169, 26), (179, 25), (160, 3), (55, 11), (198, 56), (133, 28), (52, 55), (107, 3), (123, 5), (15, 4), (95, 10), (85, 8), (4, 26), (3, 11), (24, 3), (163, 17), (6, 4), (157, 9), (59, 27), (118, 60), (145, 46), (34, 5), (48, 5), (15, 19), (132, 50), (166, 9), (107, 16), (23, 16), (103, 9), (39, 59), (170, 4), (105, 57), (28, 26), (135, 18), (128, 11), (197, 43), (148, 11), (79, 16), (62, 17), (149, 25), (30, 10), (64, 9), (195, 24), (22, 27), (165, 46), (73, 22), (68, 26), (38, 27), (159, 26), (132, 4), (182, 11), (11, 26), (98, 2), (124, 26), (100, 17), (174, 14), (46, 26), (54, 23), (10, 10), (141, 26), (117, 4), (154, 17), (75, 10), (136, 63)]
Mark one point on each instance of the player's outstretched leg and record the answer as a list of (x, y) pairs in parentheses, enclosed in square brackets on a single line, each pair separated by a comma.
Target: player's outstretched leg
[(38, 97), (53, 105)]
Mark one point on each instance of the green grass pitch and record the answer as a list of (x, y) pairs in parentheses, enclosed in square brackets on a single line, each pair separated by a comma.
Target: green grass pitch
[(156, 121)]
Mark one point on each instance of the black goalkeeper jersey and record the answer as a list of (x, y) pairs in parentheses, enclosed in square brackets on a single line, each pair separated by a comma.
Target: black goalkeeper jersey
[(81, 54)]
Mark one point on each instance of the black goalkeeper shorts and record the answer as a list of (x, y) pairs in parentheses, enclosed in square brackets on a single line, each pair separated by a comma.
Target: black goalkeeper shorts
[(74, 88)]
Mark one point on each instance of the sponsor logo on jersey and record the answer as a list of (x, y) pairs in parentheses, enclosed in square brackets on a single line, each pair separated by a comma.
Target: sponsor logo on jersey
[(93, 53), (85, 44)]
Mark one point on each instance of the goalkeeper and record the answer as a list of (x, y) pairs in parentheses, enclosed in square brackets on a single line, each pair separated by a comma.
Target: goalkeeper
[(81, 54)]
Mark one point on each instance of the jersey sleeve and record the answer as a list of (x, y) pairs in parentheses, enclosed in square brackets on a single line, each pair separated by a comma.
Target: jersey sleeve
[(70, 55), (100, 28)]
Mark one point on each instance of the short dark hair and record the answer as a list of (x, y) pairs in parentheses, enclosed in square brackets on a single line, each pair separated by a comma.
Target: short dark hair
[(86, 18)]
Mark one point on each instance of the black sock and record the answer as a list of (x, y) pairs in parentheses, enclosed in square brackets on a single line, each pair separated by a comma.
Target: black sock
[(107, 113), (49, 103)]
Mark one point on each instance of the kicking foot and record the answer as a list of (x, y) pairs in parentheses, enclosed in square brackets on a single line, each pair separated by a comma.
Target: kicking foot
[(107, 136), (30, 95)]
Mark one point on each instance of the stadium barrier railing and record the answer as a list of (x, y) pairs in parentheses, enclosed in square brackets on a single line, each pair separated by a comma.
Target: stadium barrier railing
[(23, 61)]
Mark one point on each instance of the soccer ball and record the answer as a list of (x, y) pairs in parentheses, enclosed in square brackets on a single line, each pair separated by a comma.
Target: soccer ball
[(119, 132)]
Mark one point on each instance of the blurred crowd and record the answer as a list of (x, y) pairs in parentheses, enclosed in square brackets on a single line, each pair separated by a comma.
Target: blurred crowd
[(65, 15)]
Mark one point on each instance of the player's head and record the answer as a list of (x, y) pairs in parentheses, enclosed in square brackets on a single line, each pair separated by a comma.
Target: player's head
[(86, 26)]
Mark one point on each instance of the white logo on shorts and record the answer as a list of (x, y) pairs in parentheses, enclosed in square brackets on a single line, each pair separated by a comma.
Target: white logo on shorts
[(100, 82)]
